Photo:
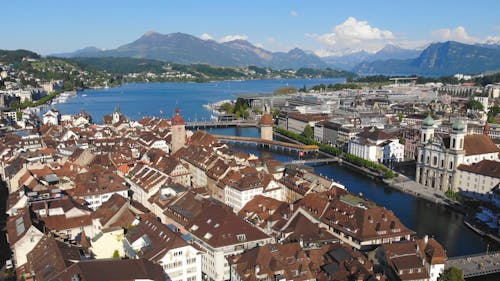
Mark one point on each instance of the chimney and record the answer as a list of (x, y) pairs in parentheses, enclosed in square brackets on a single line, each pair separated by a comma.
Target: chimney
[(291, 207)]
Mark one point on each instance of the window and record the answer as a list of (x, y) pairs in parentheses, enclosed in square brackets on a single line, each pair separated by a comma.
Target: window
[(453, 145), (434, 161)]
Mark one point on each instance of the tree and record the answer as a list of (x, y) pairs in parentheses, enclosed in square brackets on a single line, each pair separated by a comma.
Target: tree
[(116, 254), (476, 105), (400, 117), (308, 131), (451, 274)]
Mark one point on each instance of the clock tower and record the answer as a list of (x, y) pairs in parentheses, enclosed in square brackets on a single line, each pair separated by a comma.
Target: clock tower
[(178, 131)]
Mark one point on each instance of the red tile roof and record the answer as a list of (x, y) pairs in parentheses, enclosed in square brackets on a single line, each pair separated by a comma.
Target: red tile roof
[(488, 168), (479, 144), (219, 227)]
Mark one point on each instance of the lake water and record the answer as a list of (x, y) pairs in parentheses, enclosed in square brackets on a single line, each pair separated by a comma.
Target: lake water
[(138, 100)]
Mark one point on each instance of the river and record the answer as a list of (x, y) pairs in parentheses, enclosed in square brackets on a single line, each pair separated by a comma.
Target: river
[(138, 100)]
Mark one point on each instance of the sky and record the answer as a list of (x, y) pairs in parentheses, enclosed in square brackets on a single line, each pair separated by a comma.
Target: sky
[(323, 27)]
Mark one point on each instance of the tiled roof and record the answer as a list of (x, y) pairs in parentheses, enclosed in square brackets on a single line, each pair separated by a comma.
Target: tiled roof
[(479, 144), (488, 168), (61, 222), (219, 227), (51, 256), (115, 212), (161, 238), (18, 225), (113, 270), (265, 261)]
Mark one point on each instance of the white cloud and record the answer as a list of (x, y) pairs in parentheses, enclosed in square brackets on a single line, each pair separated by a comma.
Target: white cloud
[(294, 13), (229, 38), (271, 40), (324, 53), (353, 33), (206, 36), (458, 34), (259, 45)]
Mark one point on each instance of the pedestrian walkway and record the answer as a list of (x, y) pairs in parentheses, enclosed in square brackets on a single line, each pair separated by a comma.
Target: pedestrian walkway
[(476, 265)]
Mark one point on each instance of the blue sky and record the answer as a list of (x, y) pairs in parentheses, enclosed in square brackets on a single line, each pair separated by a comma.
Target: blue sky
[(325, 27)]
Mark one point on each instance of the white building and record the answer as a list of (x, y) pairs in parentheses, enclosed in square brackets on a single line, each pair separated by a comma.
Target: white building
[(22, 236), (221, 233), (52, 117), (152, 240), (479, 178), (439, 156), (238, 194), (393, 151), (377, 146)]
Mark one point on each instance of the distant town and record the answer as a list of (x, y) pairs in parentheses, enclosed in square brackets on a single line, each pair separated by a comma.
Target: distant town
[(158, 199)]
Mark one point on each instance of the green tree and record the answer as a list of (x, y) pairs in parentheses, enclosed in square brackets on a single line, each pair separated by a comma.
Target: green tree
[(275, 112), (116, 254), (492, 113), (451, 274), (400, 116), (475, 105), (308, 131)]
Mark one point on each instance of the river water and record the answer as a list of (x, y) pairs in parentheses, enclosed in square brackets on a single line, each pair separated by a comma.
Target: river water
[(138, 100)]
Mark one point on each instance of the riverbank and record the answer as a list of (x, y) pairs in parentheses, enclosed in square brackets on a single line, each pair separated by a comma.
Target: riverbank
[(408, 186), (400, 182)]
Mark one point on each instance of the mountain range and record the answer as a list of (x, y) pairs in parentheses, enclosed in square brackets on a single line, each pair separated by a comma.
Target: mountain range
[(187, 49), (435, 60), (438, 59), (390, 51)]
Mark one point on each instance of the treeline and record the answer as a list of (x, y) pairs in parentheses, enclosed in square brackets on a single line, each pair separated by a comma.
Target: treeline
[(323, 73), (120, 65), (492, 78), (419, 80), (358, 161), (12, 57), (331, 87), (239, 109), (484, 80), (208, 70)]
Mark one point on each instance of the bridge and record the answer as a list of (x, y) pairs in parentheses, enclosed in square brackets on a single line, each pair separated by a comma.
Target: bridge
[(216, 124), (476, 265), (313, 161), (272, 144)]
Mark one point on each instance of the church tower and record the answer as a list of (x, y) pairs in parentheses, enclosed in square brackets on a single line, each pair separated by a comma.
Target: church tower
[(427, 131), (178, 131), (266, 126), (457, 135), (116, 115)]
